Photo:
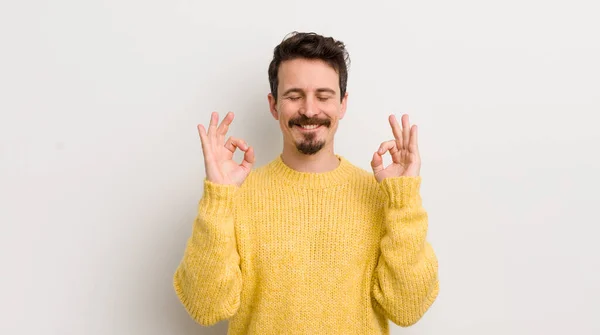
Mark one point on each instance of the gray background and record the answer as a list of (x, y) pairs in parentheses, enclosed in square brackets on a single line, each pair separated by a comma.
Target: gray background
[(101, 165)]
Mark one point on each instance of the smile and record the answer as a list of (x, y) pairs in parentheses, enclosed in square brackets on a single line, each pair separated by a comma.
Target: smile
[(309, 127)]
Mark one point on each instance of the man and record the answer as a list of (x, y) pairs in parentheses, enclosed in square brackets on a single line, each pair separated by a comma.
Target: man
[(308, 243)]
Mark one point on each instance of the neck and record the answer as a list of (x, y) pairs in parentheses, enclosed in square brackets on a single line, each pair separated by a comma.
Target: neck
[(323, 161)]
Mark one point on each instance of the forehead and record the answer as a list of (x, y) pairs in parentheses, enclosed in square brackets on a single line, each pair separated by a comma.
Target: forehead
[(307, 74)]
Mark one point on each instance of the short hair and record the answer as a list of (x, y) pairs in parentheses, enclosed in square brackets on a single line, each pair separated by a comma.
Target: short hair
[(310, 46)]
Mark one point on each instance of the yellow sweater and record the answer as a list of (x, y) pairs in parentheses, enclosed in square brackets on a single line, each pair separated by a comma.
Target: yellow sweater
[(290, 252)]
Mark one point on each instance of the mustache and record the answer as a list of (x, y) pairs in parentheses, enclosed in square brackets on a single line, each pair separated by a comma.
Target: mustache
[(305, 121)]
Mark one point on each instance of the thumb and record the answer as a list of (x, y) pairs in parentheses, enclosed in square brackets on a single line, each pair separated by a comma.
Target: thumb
[(249, 159), (377, 163)]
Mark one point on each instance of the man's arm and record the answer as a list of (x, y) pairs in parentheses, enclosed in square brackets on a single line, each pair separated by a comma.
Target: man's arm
[(208, 279), (406, 277), (405, 282)]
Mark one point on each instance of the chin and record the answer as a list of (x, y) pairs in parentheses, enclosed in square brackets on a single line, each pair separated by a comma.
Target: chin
[(310, 148)]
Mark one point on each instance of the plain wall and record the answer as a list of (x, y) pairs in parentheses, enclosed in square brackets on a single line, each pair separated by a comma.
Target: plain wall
[(101, 166)]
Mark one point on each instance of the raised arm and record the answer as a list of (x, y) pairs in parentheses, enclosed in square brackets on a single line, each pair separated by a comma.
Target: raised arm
[(208, 279), (405, 281)]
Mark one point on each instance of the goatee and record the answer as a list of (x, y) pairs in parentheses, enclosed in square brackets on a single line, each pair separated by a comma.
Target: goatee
[(309, 146)]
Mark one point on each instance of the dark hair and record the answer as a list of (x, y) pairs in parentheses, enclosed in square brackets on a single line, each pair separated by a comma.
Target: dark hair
[(310, 46)]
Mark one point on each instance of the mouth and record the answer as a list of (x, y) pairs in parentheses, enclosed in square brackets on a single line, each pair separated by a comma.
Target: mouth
[(309, 127)]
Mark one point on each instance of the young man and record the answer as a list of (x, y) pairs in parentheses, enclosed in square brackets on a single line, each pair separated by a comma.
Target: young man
[(308, 243)]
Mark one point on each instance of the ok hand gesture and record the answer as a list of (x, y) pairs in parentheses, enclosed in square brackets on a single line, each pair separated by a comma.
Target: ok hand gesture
[(218, 154), (404, 150)]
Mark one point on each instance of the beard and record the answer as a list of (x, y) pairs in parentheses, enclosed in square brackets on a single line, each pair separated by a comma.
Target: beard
[(309, 145)]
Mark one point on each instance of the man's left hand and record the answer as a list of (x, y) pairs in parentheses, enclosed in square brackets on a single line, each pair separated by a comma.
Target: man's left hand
[(404, 150)]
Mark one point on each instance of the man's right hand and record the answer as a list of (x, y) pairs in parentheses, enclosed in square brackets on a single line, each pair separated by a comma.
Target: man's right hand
[(218, 153)]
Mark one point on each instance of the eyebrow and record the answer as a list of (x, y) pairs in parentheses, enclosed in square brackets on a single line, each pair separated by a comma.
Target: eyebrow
[(299, 90)]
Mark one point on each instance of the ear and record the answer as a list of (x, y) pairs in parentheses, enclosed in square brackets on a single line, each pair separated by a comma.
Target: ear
[(273, 106), (344, 104)]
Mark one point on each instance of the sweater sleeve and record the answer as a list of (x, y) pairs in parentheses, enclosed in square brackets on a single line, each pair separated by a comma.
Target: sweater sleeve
[(405, 282), (208, 279)]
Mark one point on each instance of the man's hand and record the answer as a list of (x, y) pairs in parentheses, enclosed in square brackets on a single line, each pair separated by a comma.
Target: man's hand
[(218, 154), (404, 150)]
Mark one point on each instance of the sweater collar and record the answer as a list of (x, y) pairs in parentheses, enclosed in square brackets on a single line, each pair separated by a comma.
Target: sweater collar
[(313, 180)]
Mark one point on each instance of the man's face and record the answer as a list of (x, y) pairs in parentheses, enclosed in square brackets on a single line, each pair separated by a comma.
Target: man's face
[(308, 106)]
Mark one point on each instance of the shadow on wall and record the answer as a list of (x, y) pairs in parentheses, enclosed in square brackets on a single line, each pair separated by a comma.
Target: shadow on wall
[(147, 302), (155, 298), (164, 313)]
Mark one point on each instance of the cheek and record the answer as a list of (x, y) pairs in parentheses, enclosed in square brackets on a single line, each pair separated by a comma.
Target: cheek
[(286, 112), (332, 110)]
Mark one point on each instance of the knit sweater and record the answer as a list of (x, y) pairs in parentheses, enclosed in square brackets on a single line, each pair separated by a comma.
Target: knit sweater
[(292, 252)]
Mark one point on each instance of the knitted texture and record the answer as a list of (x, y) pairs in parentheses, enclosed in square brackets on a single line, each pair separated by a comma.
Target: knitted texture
[(293, 252)]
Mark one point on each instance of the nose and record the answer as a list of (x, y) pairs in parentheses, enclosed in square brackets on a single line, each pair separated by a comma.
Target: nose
[(309, 108)]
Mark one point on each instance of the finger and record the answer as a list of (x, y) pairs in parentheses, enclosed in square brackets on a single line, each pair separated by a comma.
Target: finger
[(377, 162), (234, 142), (224, 127), (405, 131), (413, 145), (388, 145), (392, 147), (248, 159), (204, 141), (212, 127), (396, 129)]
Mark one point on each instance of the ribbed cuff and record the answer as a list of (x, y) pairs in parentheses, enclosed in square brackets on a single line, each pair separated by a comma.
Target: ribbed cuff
[(402, 191), (217, 199)]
